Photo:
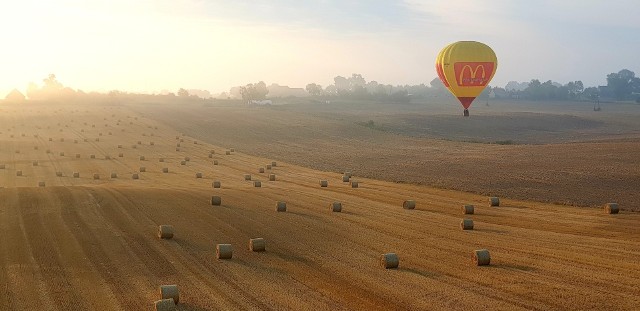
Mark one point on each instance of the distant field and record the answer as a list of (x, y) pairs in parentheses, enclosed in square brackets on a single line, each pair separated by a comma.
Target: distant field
[(561, 152)]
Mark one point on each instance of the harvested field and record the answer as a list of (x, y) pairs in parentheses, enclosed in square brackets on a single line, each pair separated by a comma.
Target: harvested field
[(85, 244)]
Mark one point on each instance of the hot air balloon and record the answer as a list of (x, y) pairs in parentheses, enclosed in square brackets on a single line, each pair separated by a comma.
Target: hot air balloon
[(465, 68)]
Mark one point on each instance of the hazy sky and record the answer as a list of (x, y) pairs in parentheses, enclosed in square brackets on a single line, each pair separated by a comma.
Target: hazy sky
[(150, 45)]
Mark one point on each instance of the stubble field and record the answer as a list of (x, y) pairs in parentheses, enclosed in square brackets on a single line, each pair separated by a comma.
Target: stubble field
[(90, 244)]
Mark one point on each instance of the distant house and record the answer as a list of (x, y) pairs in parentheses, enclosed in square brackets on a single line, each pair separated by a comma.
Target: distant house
[(15, 96), (266, 102)]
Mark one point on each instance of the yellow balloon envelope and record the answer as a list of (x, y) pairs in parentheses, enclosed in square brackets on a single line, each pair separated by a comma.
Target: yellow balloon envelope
[(465, 68)]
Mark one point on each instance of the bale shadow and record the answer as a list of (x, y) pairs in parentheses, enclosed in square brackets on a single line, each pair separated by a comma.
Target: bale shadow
[(421, 273), (303, 215), (491, 231)]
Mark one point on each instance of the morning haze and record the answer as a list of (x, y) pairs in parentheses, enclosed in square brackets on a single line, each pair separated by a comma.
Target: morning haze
[(343, 155)]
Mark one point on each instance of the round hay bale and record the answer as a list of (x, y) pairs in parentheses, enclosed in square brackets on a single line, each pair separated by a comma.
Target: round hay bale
[(224, 251), (139, 142), (58, 174), (210, 155), (257, 184), (164, 305), (232, 149), (77, 156), (75, 141), (261, 170), (107, 157), (216, 200), (354, 184), (35, 163), (336, 207), (48, 151), (257, 245), (165, 231), (61, 154), (227, 152), (481, 257), (96, 176), (2, 166), (19, 173), (348, 174), (17, 151), (41, 184), (120, 155), (135, 176), (268, 166), (97, 139), (409, 204), (177, 149), (324, 183), (165, 170), (178, 145), (114, 175), (345, 178), (35, 147), (468, 209), (274, 164), (198, 175), (142, 158), (466, 224), (50, 139), (212, 151), (494, 201), (611, 208), (161, 160), (119, 146), (61, 140), (85, 140), (134, 146), (76, 175), (281, 206), (170, 291), (183, 162), (195, 142), (142, 169), (389, 261), (272, 177), (215, 162), (93, 156), (247, 176), (187, 159), (216, 184)]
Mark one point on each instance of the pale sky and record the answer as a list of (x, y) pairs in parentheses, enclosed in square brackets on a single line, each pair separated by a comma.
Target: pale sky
[(150, 45)]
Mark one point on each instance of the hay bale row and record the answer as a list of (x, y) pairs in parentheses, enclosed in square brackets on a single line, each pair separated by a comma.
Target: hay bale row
[(345, 178), (216, 184), (165, 170), (272, 177), (336, 207), (19, 173), (611, 208), (261, 170), (114, 175), (494, 201), (354, 184), (257, 184), (389, 261), (96, 176), (165, 231), (170, 292), (41, 184), (224, 251), (135, 176), (142, 169), (247, 177), (59, 174), (481, 257), (409, 204), (468, 209), (215, 162), (216, 200), (76, 175), (165, 305), (257, 245), (466, 224)]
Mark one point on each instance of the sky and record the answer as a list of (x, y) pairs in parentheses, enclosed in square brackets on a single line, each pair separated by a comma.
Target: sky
[(151, 45)]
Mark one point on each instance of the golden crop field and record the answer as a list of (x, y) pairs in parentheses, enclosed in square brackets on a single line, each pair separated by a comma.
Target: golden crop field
[(90, 242)]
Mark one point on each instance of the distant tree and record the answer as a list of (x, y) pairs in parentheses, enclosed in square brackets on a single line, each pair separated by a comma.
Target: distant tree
[(256, 91), (622, 83), (183, 92), (314, 89), (591, 93)]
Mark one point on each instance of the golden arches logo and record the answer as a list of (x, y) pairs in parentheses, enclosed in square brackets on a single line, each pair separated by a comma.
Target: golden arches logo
[(467, 73)]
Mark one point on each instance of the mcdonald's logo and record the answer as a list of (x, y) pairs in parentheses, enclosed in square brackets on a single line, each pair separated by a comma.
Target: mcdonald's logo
[(473, 73)]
